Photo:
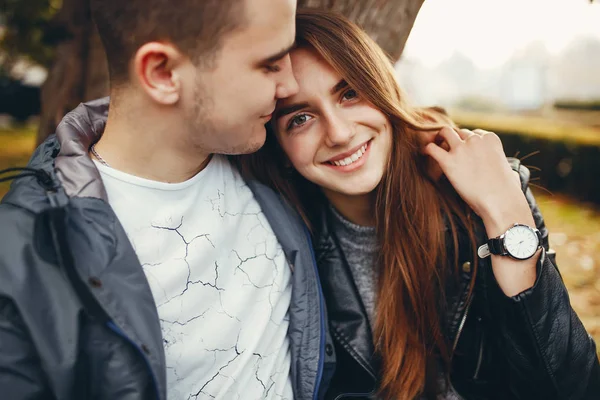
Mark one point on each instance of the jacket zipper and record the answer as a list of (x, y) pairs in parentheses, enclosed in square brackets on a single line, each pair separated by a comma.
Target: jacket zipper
[(322, 317), (462, 324)]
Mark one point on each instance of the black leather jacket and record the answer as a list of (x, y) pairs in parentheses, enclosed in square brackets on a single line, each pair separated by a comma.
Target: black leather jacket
[(530, 346)]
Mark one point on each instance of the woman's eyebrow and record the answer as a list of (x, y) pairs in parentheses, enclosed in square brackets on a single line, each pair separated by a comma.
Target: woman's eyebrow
[(289, 109), (341, 85), (283, 111)]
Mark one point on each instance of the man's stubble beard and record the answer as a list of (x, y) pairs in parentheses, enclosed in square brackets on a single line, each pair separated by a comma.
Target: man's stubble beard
[(204, 126), (200, 125)]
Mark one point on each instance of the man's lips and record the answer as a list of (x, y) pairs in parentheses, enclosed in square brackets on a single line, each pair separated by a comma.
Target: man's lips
[(269, 115), (348, 153)]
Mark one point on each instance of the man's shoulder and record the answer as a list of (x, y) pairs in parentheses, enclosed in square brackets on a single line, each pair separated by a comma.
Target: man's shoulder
[(17, 242), (12, 217), (17, 227)]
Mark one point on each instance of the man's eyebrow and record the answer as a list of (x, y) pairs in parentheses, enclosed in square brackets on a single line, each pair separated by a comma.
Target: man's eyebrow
[(276, 57), (288, 110), (342, 84)]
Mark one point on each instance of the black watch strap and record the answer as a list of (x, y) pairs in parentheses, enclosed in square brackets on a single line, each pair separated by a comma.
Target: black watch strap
[(495, 246)]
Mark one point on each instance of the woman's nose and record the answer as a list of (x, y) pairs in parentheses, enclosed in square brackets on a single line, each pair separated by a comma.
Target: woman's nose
[(340, 130)]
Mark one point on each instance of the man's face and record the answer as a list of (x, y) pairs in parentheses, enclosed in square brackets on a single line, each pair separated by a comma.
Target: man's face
[(228, 105)]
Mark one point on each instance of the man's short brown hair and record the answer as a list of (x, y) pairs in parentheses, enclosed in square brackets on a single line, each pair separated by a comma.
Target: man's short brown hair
[(196, 27)]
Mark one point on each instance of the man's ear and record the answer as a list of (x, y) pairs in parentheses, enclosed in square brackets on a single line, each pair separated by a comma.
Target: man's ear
[(154, 66)]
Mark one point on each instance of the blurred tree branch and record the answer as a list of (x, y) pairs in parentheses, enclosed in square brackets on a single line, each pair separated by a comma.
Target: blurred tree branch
[(389, 22)]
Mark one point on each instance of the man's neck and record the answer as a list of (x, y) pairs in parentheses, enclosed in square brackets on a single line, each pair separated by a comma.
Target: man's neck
[(148, 151)]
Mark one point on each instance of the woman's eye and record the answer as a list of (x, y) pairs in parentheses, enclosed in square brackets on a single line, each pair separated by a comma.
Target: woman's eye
[(299, 120), (350, 94)]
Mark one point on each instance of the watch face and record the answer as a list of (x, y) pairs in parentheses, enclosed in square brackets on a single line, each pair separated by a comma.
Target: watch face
[(521, 242)]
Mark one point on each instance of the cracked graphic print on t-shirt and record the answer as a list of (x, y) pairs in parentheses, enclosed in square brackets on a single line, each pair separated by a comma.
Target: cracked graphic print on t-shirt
[(219, 279)]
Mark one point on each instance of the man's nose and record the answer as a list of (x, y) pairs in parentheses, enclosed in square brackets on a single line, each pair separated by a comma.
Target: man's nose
[(287, 85)]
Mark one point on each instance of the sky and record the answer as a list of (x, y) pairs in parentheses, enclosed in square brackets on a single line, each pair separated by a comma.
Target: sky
[(490, 31)]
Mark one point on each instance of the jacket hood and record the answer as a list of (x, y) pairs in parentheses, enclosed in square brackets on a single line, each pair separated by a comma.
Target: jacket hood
[(64, 156)]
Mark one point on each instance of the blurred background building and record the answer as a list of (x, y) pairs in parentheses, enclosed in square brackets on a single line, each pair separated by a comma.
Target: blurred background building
[(508, 55)]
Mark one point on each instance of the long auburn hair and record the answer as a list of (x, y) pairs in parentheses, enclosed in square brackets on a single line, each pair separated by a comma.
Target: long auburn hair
[(412, 210)]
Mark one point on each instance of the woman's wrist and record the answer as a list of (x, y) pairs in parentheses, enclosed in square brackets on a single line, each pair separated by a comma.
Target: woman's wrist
[(513, 276), (498, 220)]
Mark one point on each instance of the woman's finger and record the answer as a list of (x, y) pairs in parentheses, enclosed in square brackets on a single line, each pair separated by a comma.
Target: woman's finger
[(437, 153), (450, 136), (481, 132), (426, 137), (465, 134)]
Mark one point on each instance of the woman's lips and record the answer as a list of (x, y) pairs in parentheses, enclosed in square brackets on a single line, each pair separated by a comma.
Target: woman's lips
[(352, 161), (347, 153)]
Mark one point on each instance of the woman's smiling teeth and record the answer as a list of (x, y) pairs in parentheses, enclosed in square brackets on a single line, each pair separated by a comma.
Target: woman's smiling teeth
[(351, 159)]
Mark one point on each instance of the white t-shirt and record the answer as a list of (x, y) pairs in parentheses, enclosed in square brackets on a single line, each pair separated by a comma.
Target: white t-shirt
[(219, 278)]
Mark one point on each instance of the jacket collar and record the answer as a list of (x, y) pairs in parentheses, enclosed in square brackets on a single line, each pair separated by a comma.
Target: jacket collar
[(64, 156), (76, 133), (346, 311)]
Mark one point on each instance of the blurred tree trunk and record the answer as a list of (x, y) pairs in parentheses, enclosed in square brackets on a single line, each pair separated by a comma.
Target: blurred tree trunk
[(387, 21), (80, 71)]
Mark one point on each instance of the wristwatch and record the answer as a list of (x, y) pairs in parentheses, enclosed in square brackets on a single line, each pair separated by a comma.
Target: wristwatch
[(520, 242)]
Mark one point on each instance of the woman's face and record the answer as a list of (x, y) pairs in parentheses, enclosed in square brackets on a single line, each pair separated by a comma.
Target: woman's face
[(332, 136)]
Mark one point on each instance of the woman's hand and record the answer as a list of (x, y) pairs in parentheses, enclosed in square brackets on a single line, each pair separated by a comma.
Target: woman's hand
[(475, 164)]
